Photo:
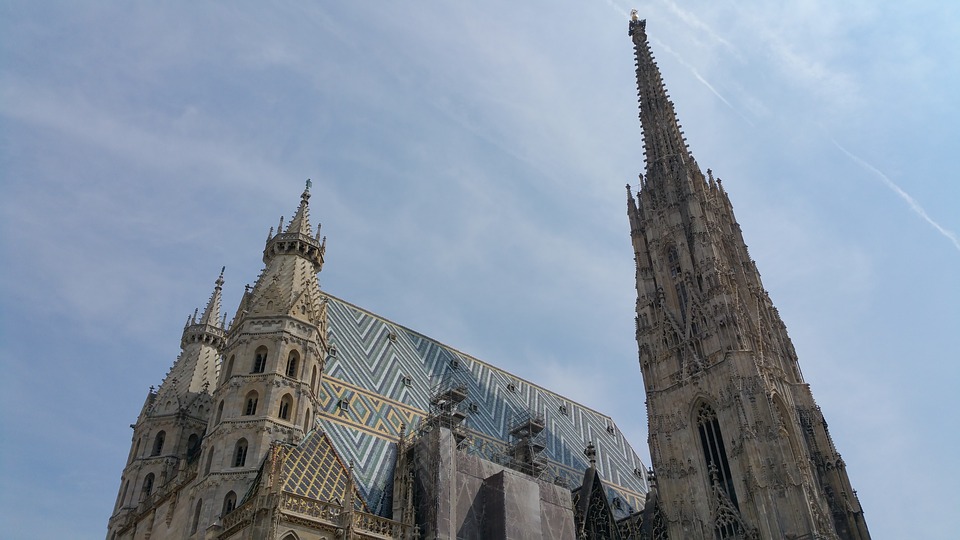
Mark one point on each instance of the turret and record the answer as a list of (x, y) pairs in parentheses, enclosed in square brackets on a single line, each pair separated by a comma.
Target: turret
[(273, 355), (168, 433)]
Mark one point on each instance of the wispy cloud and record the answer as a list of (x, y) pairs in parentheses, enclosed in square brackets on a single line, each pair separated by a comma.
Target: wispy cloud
[(703, 28), (911, 202)]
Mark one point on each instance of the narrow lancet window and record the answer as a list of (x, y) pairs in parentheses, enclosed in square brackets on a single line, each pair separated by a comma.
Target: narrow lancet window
[(292, 365), (259, 360), (240, 453), (286, 402), (718, 471), (158, 443), (250, 408)]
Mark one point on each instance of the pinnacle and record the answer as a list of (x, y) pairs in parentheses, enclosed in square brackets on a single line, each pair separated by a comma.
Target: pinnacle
[(301, 220), (211, 314)]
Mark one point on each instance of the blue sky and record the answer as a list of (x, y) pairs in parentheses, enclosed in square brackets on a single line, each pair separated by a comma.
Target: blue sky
[(469, 164)]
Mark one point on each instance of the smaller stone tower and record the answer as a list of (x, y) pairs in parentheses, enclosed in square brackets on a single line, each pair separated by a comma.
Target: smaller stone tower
[(170, 428), (273, 360)]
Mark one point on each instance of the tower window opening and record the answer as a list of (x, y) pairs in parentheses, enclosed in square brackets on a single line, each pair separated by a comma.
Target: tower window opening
[(229, 371), (147, 485), (196, 517), (193, 446), (259, 360), (682, 299), (229, 503), (718, 468), (158, 443), (292, 365), (251, 404), (209, 463), (219, 413), (286, 403), (673, 260), (240, 453)]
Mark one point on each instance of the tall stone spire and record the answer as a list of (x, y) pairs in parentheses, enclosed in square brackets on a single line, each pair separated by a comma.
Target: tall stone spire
[(738, 445), (671, 170)]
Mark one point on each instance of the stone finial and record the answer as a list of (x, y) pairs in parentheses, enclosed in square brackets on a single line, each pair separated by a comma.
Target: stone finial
[(591, 452), (636, 21)]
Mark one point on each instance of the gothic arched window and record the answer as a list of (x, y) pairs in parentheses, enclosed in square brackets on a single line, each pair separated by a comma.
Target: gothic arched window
[(313, 380), (147, 488), (718, 471), (259, 360), (292, 364), (286, 403), (250, 408), (209, 463), (306, 421), (229, 503), (673, 261), (229, 371), (196, 517), (158, 443), (240, 453), (219, 413), (193, 446)]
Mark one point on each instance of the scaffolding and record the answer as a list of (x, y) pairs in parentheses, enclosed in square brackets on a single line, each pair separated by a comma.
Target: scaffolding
[(445, 408), (525, 453)]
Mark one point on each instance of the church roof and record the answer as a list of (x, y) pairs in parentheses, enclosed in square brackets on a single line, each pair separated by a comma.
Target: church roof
[(314, 469), (383, 376)]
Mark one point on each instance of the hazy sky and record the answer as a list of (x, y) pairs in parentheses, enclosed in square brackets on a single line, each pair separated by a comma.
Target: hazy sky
[(469, 163)]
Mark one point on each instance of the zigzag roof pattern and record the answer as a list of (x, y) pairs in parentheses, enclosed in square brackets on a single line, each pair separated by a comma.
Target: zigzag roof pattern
[(383, 375), (313, 469)]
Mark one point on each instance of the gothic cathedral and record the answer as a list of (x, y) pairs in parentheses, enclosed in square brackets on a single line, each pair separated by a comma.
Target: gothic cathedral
[(310, 418)]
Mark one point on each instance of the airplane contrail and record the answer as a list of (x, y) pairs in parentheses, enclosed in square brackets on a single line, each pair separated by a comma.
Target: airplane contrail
[(914, 205)]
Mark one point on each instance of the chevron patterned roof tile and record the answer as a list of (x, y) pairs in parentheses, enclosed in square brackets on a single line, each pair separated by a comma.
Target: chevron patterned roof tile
[(388, 373)]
